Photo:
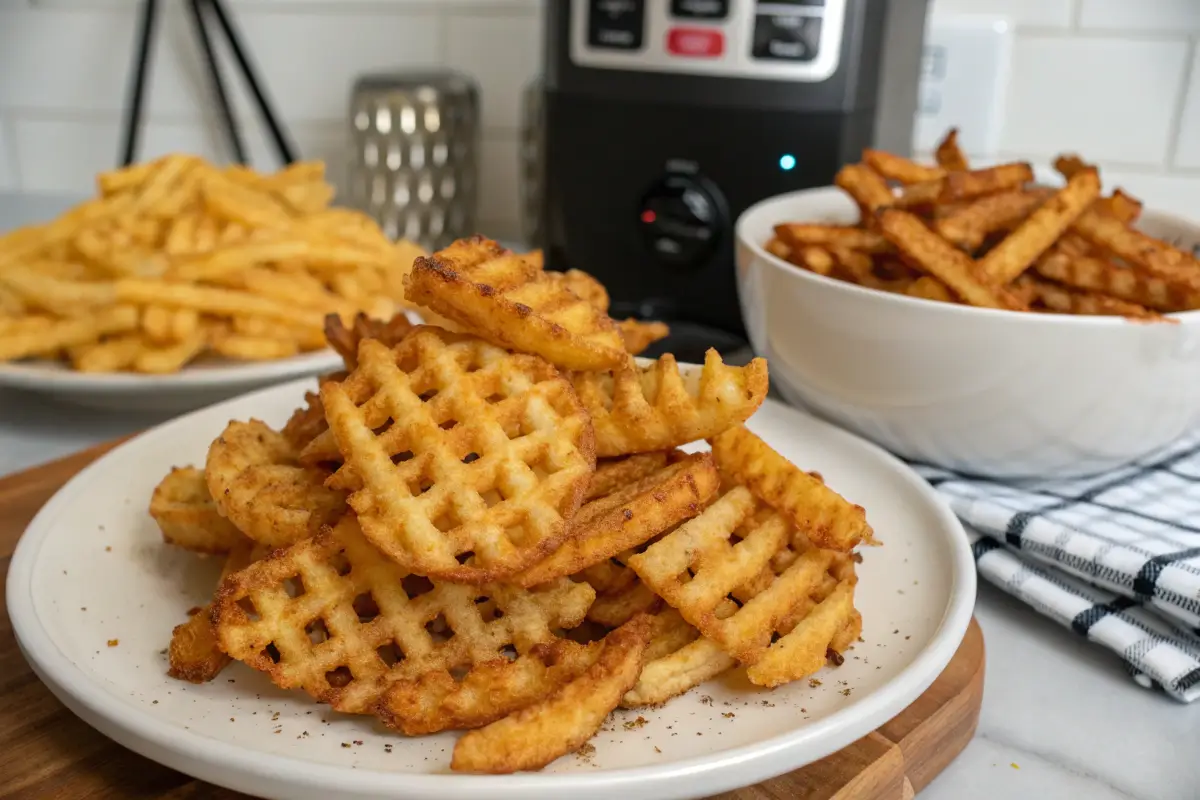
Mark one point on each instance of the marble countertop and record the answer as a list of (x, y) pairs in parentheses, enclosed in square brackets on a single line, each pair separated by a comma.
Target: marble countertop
[(1060, 718)]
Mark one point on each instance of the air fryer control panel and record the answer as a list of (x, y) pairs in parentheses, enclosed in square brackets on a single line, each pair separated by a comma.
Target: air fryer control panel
[(790, 40)]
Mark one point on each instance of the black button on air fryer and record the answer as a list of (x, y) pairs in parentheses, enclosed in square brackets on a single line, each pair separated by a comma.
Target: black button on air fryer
[(616, 24), (786, 37), (682, 218), (700, 9)]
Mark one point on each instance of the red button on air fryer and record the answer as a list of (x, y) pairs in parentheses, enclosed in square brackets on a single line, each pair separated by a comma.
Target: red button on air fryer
[(695, 42)]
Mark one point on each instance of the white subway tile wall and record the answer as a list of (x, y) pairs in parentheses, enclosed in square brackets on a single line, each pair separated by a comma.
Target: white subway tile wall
[(1118, 80)]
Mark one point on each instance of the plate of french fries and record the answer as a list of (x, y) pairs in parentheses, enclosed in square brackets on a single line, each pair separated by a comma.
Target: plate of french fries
[(180, 283), (984, 319), (494, 555)]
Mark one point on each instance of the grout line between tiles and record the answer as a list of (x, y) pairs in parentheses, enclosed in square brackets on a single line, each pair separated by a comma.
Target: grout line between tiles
[(1176, 129)]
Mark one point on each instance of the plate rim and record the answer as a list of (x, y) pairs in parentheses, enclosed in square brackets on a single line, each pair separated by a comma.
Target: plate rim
[(34, 376), (245, 769)]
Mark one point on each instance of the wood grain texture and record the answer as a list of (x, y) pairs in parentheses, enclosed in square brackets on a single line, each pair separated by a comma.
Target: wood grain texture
[(48, 753)]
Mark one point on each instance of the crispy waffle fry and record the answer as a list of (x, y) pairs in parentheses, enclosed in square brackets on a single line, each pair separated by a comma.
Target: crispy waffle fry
[(488, 454), (629, 517), (825, 517), (492, 292), (534, 736), (193, 655), (188, 517), (678, 659), (584, 286), (613, 473), (437, 701), (332, 616), (740, 546), (257, 483), (638, 409), (638, 335), (346, 340)]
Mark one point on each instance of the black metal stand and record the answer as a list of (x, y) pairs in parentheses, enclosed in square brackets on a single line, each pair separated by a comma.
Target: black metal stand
[(141, 64)]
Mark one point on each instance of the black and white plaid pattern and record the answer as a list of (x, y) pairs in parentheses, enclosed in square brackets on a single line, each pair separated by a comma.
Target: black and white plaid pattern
[(1114, 557)]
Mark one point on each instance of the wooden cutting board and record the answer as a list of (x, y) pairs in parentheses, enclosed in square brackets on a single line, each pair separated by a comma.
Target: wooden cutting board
[(46, 752)]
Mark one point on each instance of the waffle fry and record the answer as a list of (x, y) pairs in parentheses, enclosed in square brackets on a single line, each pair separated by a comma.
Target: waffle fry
[(495, 294), (677, 660), (188, 517), (637, 335), (437, 507), (193, 654), (629, 517), (345, 340), (332, 616), (534, 736), (638, 409), (613, 473), (824, 516), (739, 546), (437, 701), (257, 483)]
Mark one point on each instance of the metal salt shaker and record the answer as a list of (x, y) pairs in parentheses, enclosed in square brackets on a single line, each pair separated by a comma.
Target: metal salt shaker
[(415, 165)]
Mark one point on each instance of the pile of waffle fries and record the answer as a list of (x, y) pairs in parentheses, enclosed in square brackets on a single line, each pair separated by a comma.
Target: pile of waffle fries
[(176, 260), (487, 525), (991, 238)]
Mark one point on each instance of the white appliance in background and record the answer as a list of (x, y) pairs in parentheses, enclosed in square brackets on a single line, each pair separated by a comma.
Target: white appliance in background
[(964, 82)]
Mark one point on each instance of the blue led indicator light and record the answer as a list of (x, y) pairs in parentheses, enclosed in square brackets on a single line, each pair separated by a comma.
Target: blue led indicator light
[(787, 161)]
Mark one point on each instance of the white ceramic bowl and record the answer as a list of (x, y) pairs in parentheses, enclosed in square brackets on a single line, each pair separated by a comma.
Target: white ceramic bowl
[(993, 393)]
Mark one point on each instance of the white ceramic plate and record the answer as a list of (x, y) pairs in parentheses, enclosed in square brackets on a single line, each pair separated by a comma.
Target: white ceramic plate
[(69, 594), (195, 386)]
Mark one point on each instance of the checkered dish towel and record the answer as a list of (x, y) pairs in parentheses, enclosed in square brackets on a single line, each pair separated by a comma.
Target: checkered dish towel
[(1115, 557)]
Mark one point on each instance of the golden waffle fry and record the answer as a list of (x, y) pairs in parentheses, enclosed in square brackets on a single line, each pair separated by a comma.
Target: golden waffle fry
[(584, 286), (825, 517), (629, 517), (258, 484), (437, 701), (188, 517), (678, 659), (332, 616), (488, 454), (638, 409), (493, 293), (345, 340), (613, 473), (733, 548), (638, 335), (538, 734), (193, 655)]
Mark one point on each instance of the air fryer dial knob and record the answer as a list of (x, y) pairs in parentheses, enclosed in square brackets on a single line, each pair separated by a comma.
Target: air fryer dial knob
[(682, 219)]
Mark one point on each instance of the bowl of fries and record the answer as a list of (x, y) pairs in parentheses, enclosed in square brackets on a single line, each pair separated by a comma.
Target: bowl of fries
[(975, 319), (181, 283)]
